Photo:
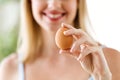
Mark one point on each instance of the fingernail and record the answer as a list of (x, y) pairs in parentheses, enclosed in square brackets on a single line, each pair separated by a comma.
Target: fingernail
[(65, 32), (71, 50)]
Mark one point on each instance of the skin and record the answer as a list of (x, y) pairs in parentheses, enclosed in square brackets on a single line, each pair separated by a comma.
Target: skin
[(45, 10), (53, 66)]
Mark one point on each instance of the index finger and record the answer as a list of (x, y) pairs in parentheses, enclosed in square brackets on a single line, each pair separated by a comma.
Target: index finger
[(67, 26)]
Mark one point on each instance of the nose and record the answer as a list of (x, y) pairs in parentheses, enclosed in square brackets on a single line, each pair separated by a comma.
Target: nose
[(54, 4)]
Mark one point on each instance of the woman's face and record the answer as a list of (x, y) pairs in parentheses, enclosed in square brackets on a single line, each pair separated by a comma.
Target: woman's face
[(49, 14)]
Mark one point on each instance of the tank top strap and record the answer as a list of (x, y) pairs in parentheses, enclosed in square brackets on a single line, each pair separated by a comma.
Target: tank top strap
[(91, 78), (20, 68)]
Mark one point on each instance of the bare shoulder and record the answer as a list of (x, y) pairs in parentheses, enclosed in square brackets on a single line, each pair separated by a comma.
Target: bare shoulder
[(112, 56), (113, 59), (8, 66), (111, 53)]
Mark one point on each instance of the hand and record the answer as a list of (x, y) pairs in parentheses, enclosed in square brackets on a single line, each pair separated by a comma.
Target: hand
[(87, 51)]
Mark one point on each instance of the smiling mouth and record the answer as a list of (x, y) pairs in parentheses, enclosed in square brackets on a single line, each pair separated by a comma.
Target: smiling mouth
[(54, 17)]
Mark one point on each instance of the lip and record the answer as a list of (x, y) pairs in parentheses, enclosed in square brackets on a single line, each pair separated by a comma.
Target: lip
[(54, 15)]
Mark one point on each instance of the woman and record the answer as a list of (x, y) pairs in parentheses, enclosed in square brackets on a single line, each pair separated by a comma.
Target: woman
[(37, 56)]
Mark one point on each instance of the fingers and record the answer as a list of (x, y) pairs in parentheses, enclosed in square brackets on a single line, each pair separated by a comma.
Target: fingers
[(75, 47), (77, 33), (75, 55), (72, 30), (67, 26), (80, 51), (64, 51), (85, 51), (83, 43)]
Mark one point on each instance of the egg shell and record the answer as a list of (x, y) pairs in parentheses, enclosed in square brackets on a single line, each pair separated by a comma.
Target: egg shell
[(63, 41)]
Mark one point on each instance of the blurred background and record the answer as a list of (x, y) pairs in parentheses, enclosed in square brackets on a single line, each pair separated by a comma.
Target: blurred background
[(9, 24), (104, 16)]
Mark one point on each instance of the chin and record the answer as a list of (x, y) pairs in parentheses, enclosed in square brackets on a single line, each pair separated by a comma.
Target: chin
[(53, 28), (50, 27)]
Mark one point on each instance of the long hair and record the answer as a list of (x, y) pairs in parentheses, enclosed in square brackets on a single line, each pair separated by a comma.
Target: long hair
[(29, 42)]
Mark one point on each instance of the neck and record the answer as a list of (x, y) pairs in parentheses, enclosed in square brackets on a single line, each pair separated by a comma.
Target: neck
[(49, 46)]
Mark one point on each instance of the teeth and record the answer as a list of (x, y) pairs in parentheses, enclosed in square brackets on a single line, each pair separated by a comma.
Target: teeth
[(54, 16)]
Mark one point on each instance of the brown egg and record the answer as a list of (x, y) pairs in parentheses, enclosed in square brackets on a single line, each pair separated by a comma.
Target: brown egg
[(63, 41)]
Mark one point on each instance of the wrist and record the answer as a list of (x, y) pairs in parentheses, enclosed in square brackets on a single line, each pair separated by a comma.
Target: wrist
[(105, 76)]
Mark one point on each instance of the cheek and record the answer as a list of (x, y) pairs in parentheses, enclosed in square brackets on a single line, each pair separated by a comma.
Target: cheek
[(37, 8), (72, 11), (71, 7)]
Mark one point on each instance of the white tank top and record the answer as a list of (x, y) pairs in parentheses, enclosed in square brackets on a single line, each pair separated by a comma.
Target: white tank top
[(20, 68)]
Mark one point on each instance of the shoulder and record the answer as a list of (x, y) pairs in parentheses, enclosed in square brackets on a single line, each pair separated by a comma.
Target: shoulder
[(110, 52), (113, 58), (8, 66), (10, 61), (112, 55)]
